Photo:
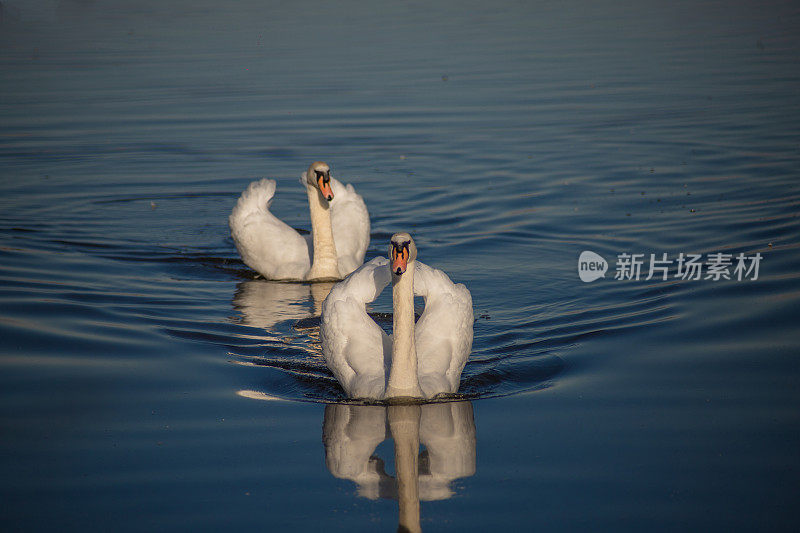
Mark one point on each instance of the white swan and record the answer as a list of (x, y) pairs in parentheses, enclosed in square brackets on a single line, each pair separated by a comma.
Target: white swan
[(339, 230), (418, 361)]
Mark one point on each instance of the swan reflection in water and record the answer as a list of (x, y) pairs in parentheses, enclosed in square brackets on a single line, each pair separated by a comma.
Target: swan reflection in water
[(351, 433), (265, 304)]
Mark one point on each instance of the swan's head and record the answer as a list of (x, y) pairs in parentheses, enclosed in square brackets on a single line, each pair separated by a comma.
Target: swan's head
[(319, 177), (402, 251)]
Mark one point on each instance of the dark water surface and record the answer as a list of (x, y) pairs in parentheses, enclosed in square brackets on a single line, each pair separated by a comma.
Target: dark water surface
[(148, 381)]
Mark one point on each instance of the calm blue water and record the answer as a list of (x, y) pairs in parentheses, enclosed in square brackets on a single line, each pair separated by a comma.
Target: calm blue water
[(148, 381)]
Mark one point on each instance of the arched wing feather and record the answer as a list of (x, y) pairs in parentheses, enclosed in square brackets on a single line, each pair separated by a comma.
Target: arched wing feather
[(350, 221), (354, 346), (267, 244), (443, 333)]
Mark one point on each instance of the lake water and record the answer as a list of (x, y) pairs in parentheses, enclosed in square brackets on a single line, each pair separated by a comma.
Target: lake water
[(149, 382)]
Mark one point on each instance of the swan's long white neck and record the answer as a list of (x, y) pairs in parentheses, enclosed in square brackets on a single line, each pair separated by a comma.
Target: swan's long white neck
[(403, 378), (325, 264)]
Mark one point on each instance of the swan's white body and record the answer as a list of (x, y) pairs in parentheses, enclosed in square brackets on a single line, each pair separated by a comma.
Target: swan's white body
[(336, 246), (420, 360)]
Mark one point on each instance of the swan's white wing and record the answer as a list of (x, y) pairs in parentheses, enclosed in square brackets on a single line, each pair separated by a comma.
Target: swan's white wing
[(352, 343), (443, 333), (267, 244), (350, 221)]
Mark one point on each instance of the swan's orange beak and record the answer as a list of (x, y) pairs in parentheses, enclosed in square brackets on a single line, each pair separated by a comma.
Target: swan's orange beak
[(324, 184), (399, 260)]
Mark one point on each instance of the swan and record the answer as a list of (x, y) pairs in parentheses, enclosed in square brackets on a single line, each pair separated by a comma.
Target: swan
[(417, 361), (339, 230)]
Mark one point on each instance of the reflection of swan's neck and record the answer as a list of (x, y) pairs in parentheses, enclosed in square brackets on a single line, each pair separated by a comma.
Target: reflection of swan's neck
[(320, 291), (404, 425), (403, 379), (325, 264)]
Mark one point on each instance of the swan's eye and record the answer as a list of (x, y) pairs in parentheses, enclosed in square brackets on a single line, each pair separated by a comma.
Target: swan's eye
[(400, 249)]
